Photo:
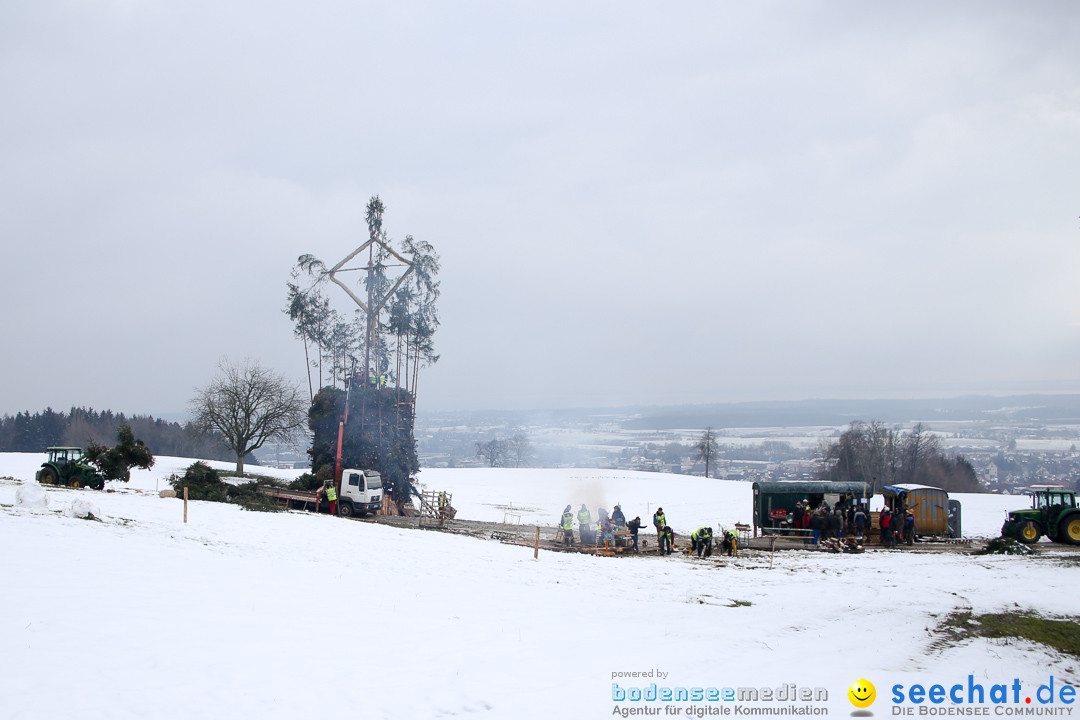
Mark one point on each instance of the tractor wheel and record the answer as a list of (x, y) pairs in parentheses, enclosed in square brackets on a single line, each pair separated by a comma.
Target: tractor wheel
[(1028, 533), (74, 482), (1069, 529), (47, 476)]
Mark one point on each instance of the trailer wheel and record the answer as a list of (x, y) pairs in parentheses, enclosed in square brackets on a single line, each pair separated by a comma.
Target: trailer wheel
[(47, 476), (1069, 530), (345, 509), (1028, 533)]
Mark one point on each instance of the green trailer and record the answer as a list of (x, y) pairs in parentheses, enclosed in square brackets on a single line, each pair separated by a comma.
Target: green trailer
[(774, 502)]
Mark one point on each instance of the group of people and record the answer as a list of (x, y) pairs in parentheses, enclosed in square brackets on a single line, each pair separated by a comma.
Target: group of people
[(701, 539), (848, 518), (701, 542), (606, 526), (897, 525)]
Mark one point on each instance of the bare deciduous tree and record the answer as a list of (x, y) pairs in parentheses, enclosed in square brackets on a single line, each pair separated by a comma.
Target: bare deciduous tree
[(493, 451), (249, 405), (866, 453), (707, 448), (519, 451)]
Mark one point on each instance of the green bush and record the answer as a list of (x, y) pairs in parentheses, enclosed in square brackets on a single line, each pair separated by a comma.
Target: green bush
[(204, 483), (115, 463), (307, 482)]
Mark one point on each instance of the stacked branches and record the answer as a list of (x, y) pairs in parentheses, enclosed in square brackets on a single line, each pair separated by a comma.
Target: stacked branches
[(378, 436)]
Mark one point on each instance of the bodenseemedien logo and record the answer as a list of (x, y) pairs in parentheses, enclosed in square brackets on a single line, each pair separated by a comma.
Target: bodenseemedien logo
[(707, 701)]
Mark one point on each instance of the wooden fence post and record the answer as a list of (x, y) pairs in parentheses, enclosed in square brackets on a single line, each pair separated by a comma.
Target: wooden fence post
[(185, 504), (536, 544)]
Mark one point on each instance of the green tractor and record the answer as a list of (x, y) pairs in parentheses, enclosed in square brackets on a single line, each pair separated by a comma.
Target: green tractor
[(1053, 513), (65, 466)]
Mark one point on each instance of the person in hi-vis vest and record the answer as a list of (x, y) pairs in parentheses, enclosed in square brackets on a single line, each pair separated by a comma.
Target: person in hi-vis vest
[(330, 492)]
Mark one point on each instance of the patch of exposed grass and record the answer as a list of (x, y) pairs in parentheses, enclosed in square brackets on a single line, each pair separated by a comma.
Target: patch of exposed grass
[(740, 603), (1062, 634)]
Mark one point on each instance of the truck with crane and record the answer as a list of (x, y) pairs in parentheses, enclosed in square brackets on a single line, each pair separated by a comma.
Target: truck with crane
[(360, 494)]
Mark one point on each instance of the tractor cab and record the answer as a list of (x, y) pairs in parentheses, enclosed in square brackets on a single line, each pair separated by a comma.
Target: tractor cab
[(1044, 498), (62, 455)]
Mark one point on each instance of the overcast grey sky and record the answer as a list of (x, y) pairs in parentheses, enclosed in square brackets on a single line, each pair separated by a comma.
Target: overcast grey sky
[(635, 202)]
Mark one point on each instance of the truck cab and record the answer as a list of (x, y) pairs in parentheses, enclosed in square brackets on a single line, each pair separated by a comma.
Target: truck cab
[(361, 492)]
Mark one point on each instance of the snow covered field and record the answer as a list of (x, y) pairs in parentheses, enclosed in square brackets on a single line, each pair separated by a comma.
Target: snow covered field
[(239, 614)]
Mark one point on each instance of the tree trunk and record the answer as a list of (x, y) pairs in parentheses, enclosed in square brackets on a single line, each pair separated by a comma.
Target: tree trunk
[(307, 361), (416, 368), (240, 464)]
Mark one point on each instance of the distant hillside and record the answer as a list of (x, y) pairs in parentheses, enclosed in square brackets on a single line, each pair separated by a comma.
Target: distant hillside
[(1049, 409), (1014, 409)]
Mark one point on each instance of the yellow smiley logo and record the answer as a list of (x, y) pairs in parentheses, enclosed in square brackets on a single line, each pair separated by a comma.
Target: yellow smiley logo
[(862, 693)]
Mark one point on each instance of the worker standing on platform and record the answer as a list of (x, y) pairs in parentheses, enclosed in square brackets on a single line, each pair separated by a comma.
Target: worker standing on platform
[(667, 539), (584, 518), (658, 522), (634, 525), (568, 526)]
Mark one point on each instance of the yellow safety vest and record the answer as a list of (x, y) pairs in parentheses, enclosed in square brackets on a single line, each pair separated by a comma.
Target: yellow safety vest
[(331, 494)]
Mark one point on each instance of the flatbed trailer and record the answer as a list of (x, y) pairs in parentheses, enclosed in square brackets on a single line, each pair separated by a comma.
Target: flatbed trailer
[(307, 500)]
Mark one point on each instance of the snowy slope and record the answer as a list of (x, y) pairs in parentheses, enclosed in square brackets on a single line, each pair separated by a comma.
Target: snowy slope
[(240, 614)]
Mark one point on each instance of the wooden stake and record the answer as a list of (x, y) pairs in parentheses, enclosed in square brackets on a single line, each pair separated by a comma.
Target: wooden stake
[(185, 503), (536, 545)]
